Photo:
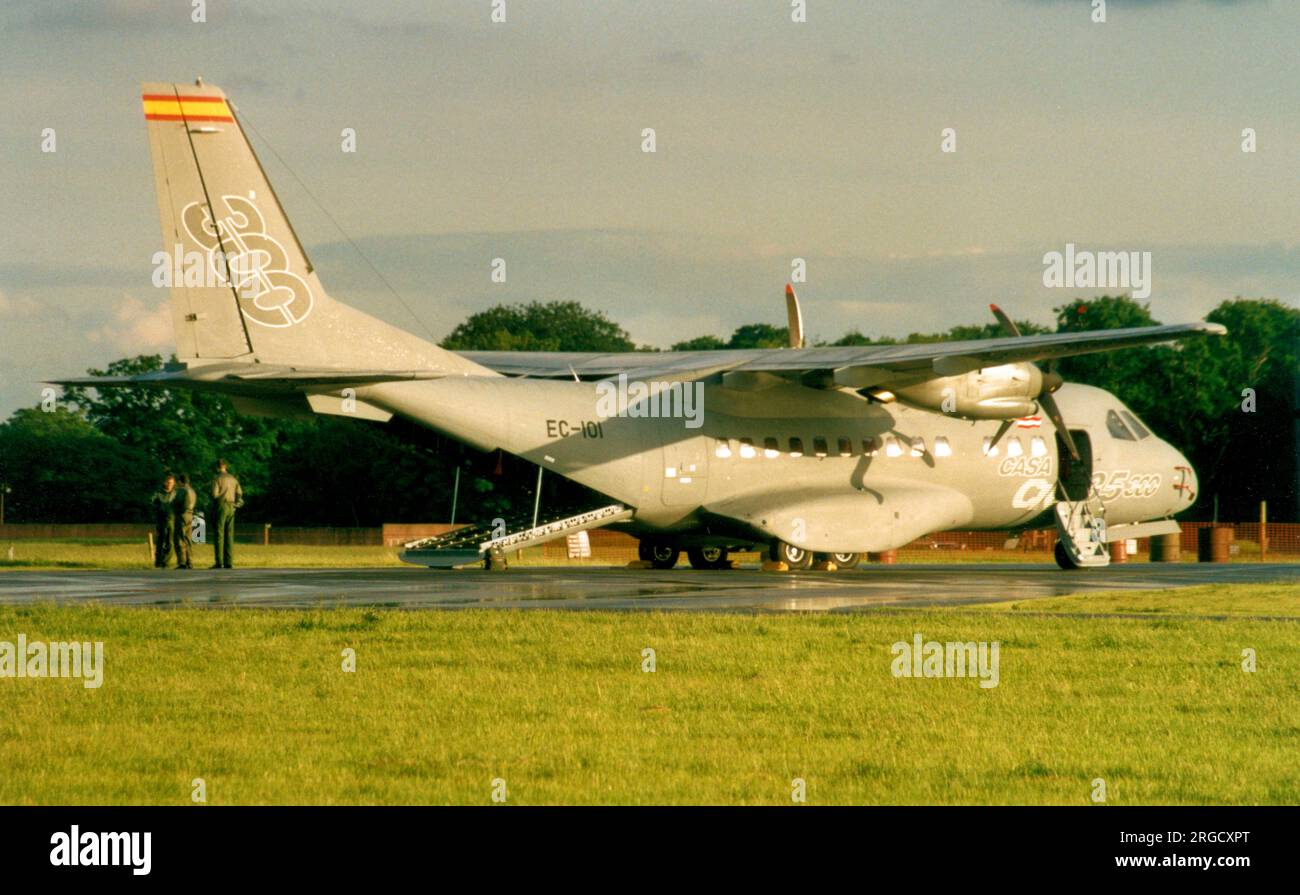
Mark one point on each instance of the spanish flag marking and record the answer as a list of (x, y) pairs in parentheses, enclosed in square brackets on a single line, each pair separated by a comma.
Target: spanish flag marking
[(169, 107)]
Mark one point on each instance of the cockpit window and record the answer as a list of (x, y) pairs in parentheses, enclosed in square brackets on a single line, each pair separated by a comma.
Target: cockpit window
[(1117, 427), (1135, 424)]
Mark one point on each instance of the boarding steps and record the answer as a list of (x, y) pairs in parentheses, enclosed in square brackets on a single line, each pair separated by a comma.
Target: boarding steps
[(490, 543), (1082, 529)]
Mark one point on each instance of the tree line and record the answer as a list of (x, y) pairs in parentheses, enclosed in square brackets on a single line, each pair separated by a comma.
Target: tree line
[(1229, 404)]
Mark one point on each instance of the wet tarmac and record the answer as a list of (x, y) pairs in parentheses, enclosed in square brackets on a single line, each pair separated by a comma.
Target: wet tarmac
[(602, 588)]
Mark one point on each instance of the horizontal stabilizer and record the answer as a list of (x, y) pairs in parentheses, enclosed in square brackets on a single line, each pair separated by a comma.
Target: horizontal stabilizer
[(254, 379)]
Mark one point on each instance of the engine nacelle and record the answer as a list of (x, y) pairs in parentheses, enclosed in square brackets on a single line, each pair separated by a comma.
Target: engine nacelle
[(1007, 391)]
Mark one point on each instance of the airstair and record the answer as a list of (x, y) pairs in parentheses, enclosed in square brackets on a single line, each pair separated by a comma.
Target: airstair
[(1082, 528), (490, 542)]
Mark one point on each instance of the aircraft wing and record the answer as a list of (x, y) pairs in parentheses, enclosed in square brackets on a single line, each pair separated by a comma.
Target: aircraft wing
[(599, 365), (253, 379), (854, 367)]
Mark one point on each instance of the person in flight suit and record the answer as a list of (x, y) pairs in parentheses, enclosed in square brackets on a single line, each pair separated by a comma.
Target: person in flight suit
[(163, 521), (183, 519), (227, 496)]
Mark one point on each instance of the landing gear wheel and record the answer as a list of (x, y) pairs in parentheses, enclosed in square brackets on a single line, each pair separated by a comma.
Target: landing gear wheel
[(846, 560), (794, 557), (708, 558), (664, 556), (1062, 558)]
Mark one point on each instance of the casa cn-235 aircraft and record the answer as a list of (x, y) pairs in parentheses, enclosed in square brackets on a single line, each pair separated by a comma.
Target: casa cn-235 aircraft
[(806, 453)]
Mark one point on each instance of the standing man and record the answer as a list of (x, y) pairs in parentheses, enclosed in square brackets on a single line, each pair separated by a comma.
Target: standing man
[(163, 521), (227, 497), (183, 519)]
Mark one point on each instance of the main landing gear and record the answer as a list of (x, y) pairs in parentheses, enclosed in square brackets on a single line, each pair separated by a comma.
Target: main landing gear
[(665, 554), (708, 558), (660, 554), (796, 558), (799, 559)]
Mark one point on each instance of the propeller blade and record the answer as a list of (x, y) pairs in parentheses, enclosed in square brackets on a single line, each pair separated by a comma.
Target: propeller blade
[(1002, 430), (1008, 325), (1048, 404), (795, 317)]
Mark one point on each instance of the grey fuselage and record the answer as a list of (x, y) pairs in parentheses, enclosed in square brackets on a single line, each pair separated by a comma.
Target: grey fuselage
[(863, 476)]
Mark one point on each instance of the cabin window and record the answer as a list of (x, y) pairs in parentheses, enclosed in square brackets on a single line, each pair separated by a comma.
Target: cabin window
[(990, 449), (941, 447), (771, 448), (1117, 427), (796, 447), (846, 447), (819, 446), (918, 447), (723, 450), (1136, 425), (747, 451), (1015, 448), (892, 448), (1038, 447), (870, 446)]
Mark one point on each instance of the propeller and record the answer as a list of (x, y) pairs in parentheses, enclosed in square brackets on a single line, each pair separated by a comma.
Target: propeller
[(1051, 382)]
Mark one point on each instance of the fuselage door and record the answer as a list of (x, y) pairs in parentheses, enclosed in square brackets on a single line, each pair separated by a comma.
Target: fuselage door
[(685, 467), (1076, 476)]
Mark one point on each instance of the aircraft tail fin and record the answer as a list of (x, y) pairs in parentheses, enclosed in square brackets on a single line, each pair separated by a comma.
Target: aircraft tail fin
[(242, 285)]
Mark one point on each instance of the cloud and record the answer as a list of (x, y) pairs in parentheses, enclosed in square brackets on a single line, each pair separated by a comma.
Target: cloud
[(16, 307), (99, 15), (136, 329)]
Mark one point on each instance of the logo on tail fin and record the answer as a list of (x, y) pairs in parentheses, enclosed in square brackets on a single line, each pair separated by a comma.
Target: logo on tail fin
[(269, 293)]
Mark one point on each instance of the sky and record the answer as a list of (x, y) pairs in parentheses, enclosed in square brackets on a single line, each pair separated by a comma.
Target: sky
[(774, 140)]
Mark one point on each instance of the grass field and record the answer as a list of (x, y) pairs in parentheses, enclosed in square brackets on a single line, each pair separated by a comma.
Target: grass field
[(557, 705), (117, 554)]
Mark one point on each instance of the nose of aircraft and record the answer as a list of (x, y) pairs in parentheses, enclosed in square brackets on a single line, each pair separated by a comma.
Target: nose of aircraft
[(1185, 484)]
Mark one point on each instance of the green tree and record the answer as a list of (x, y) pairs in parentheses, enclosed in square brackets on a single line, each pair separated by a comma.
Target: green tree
[(182, 430), (854, 337), (63, 469), (700, 343), (1191, 394), (1243, 455), (759, 335), (537, 326)]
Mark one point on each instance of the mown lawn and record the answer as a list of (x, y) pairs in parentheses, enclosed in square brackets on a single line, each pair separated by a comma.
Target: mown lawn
[(118, 554), (557, 705)]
